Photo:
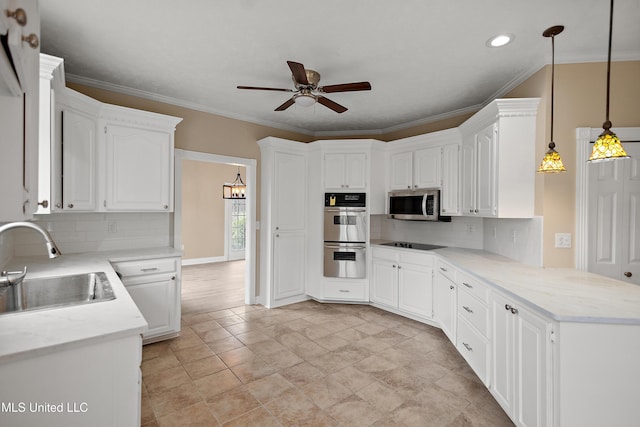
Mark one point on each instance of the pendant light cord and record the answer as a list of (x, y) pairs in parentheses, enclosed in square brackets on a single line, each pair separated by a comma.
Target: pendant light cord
[(553, 39), (609, 60)]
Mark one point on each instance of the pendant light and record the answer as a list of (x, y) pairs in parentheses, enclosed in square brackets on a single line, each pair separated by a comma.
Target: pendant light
[(551, 162), (235, 190), (608, 145)]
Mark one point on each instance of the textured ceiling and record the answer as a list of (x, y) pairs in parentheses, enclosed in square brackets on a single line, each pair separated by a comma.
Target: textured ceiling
[(425, 59)]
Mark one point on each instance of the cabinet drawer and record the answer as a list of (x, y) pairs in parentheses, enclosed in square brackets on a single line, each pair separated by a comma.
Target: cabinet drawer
[(416, 258), (446, 269), (473, 286), (472, 310), (378, 252), (346, 291), (475, 350), (144, 267)]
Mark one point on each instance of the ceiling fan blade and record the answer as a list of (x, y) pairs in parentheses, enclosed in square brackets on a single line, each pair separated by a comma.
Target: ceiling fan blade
[(346, 87), (266, 88), (299, 75), (288, 103), (330, 104)]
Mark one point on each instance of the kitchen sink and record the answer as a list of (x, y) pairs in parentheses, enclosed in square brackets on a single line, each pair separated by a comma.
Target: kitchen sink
[(55, 292)]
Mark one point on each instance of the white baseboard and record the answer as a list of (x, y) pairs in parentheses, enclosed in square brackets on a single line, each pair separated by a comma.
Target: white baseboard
[(195, 261)]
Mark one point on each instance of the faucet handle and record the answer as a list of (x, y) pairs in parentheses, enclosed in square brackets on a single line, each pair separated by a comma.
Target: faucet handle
[(9, 278)]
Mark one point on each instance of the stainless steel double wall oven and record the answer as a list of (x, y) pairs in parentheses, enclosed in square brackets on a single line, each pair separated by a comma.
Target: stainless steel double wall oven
[(345, 235)]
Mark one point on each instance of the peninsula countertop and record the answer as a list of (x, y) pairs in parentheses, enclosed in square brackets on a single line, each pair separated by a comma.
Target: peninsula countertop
[(563, 294), (32, 333)]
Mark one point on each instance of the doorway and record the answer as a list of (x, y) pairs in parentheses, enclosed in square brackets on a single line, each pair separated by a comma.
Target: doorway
[(250, 165), (608, 209)]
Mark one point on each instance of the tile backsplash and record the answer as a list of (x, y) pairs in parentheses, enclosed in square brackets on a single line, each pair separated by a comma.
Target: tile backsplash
[(92, 232), (518, 239)]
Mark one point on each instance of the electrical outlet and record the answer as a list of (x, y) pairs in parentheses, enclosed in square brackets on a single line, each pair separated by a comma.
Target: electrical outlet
[(113, 227), (495, 233), (563, 240), (470, 229), (514, 236)]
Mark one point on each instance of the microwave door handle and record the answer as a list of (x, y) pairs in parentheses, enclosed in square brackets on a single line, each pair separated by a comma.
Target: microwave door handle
[(424, 204)]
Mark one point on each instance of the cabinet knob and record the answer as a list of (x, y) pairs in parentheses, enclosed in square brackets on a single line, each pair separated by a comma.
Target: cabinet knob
[(451, 287), (166, 206), (507, 307), (70, 205), (628, 273), (32, 40), (59, 205), (277, 235), (44, 204), (19, 15), (173, 277), (394, 266)]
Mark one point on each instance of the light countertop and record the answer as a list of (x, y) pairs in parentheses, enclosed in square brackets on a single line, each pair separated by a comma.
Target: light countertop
[(563, 294), (41, 331)]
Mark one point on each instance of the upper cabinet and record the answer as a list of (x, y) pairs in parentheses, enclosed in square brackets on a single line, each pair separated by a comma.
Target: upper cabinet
[(498, 160), (345, 171), (111, 158), (19, 100), (415, 169)]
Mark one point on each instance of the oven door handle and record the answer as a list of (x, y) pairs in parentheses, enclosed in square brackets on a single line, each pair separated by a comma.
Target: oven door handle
[(344, 246)]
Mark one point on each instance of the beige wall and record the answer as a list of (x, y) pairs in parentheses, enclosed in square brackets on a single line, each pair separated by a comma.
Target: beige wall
[(203, 208), (579, 102)]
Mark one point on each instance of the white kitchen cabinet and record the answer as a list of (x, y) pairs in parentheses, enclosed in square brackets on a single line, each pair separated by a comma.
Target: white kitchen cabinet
[(345, 171), (283, 217), (521, 365), (445, 296), (497, 160), (154, 285), (415, 169), (403, 281), (450, 193), (19, 104), (289, 260), (79, 162), (132, 184), (112, 159), (91, 383)]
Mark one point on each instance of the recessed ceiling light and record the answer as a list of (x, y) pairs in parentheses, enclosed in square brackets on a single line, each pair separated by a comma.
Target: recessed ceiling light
[(500, 40)]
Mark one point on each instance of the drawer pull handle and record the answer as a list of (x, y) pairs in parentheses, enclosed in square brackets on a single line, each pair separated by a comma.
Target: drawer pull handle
[(467, 309), (344, 290), (467, 285), (467, 346), (145, 270), (443, 269)]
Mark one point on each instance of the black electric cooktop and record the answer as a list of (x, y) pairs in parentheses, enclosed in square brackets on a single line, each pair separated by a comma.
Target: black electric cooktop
[(409, 245)]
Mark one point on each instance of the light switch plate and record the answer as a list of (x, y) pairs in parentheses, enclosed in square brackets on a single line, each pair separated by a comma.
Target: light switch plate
[(563, 240)]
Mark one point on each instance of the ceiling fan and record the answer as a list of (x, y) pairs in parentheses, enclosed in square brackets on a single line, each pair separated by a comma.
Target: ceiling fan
[(307, 92)]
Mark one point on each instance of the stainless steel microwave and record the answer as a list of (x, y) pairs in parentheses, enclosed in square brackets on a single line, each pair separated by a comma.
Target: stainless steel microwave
[(415, 205)]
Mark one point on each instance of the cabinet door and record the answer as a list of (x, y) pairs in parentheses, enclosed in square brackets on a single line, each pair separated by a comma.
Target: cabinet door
[(289, 189), (401, 173), (485, 175), (356, 171), (415, 289), (156, 301), (288, 264), (384, 282), (532, 369), (450, 202), (78, 162), (502, 370), (139, 169), (468, 176), (334, 170), (426, 168), (445, 305)]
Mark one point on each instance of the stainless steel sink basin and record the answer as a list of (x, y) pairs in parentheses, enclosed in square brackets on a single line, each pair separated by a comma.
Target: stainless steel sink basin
[(55, 292)]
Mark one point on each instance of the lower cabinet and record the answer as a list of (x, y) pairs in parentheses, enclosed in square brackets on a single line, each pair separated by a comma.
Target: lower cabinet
[(288, 264), (154, 285), (521, 362), (403, 281), (446, 299)]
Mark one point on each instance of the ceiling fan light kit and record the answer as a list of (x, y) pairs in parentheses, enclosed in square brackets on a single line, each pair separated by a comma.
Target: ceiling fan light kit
[(307, 91)]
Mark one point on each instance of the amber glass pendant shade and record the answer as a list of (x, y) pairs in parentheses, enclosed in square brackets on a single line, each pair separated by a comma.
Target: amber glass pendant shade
[(607, 146), (551, 162)]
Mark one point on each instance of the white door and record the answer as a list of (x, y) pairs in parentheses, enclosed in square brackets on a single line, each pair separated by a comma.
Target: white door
[(426, 173), (384, 283), (415, 289), (614, 216), (78, 162), (288, 264), (236, 227)]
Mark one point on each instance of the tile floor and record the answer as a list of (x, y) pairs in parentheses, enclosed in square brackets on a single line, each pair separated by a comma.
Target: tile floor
[(311, 364)]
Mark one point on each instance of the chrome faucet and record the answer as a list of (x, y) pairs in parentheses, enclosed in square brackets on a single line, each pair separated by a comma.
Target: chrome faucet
[(8, 278)]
